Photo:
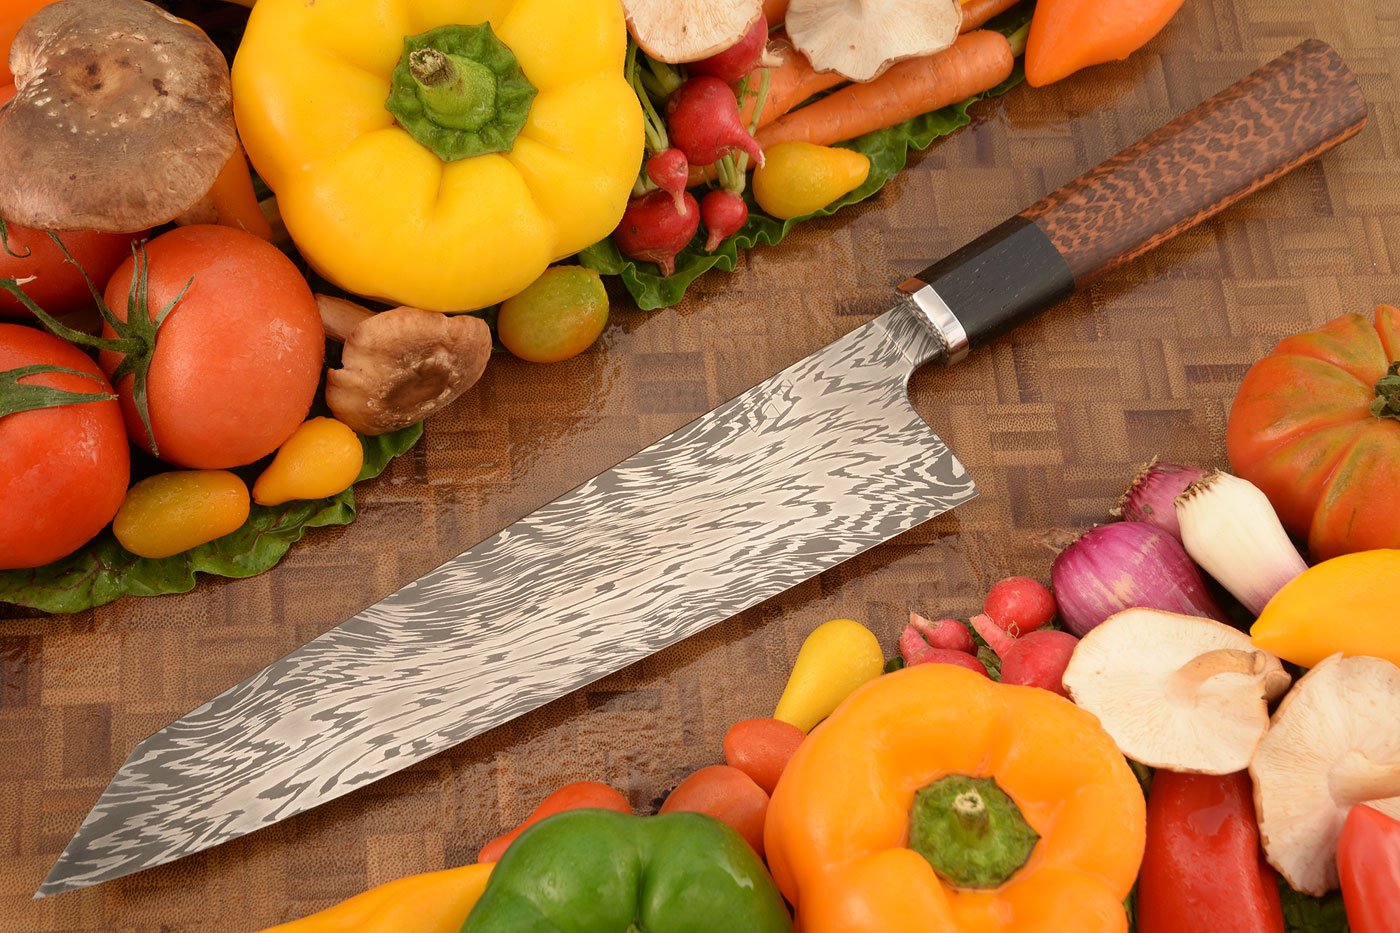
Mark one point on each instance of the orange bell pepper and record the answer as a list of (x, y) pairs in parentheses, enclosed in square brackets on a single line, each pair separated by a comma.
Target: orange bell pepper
[(839, 825), (1067, 35)]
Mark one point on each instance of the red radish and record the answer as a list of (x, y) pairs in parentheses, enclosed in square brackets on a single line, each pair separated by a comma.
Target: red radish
[(1019, 605), (945, 633), (737, 60), (723, 212), (945, 656), (652, 228), (703, 117), (669, 170), (1037, 659)]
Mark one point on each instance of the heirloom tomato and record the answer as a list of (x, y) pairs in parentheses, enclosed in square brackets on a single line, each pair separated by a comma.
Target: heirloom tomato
[(238, 357), (63, 469), (1316, 426)]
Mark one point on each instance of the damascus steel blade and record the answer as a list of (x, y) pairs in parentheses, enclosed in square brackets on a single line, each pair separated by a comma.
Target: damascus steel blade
[(810, 468)]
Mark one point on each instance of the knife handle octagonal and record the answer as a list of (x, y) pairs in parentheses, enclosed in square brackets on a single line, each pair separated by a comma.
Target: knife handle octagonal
[(1289, 111)]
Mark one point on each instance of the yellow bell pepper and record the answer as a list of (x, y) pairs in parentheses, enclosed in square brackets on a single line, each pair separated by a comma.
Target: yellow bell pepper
[(509, 147), (1347, 604), (434, 902), (889, 783)]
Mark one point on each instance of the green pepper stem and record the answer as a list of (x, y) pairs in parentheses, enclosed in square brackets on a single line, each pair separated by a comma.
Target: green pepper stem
[(457, 92)]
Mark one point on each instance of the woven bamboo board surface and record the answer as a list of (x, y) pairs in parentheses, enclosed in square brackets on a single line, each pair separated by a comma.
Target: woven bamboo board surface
[(1051, 420)]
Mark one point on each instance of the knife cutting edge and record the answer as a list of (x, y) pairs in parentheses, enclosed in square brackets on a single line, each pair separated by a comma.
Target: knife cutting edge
[(803, 471)]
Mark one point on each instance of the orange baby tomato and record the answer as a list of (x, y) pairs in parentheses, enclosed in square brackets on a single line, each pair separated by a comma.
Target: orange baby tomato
[(557, 316)]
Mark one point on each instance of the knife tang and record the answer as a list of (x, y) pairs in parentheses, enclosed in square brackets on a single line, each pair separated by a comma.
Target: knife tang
[(1289, 111)]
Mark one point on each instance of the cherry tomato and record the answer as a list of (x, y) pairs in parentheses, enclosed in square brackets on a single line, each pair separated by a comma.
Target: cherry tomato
[(64, 470), (727, 794), (236, 362), (57, 286), (761, 748), (557, 316)]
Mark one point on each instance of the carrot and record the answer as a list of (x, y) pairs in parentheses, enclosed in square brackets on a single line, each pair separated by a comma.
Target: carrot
[(573, 796), (977, 12), (774, 11), (977, 61), (234, 199), (790, 82)]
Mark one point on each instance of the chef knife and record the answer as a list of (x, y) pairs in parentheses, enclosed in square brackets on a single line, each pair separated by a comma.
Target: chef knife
[(799, 473)]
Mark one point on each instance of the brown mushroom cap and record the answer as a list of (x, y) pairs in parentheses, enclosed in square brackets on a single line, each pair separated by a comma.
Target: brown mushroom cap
[(859, 39), (689, 30), (401, 365), (122, 120)]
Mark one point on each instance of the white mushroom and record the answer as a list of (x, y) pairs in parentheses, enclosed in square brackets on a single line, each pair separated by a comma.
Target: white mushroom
[(1334, 742), (1175, 691), (689, 30), (122, 120), (859, 39)]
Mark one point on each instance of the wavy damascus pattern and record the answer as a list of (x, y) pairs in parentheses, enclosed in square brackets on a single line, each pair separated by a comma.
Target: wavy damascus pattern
[(813, 466)]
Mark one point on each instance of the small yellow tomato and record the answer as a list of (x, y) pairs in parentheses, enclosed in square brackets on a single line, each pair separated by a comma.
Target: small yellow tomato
[(836, 658), (321, 458), (558, 316), (173, 512), (797, 178)]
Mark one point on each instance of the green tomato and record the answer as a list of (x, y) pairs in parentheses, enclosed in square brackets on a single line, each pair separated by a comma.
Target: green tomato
[(557, 316)]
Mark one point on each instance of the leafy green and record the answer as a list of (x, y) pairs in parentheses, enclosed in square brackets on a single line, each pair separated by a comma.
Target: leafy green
[(1303, 913), (888, 151), (103, 570)]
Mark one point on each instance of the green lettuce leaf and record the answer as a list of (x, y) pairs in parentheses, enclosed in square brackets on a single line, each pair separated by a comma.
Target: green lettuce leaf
[(1303, 913), (103, 570), (888, 151)]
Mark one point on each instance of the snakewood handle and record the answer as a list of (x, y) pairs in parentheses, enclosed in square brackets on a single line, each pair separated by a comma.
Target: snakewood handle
[(1297, 106)]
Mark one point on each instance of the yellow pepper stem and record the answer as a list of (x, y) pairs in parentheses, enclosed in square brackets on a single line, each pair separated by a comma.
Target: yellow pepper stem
[(456, 91)]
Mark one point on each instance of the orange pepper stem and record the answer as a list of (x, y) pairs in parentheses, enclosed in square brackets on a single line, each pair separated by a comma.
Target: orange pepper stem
[(970, 831)]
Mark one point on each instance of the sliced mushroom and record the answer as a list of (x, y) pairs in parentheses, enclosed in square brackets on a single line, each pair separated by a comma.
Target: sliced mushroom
[(400, 365), (859, 39), (689, 30), (1175, 691), (122, 120), (1334, 742)]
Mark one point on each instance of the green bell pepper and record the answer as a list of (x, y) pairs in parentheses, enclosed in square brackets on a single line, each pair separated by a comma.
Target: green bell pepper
[(598, 871)]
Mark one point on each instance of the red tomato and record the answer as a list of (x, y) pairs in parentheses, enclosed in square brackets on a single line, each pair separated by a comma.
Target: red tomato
[(237, 361), (63, 471), (57, 286)]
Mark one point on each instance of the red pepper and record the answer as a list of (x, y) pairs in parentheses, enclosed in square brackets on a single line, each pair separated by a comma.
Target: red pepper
[(1368, 859), (1203, 869)]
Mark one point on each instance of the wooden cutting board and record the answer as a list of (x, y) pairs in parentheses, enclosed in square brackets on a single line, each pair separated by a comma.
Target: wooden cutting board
[(1051, 421)]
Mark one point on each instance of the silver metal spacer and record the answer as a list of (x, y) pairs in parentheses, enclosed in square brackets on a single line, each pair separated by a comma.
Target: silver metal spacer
[(939, 316)]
